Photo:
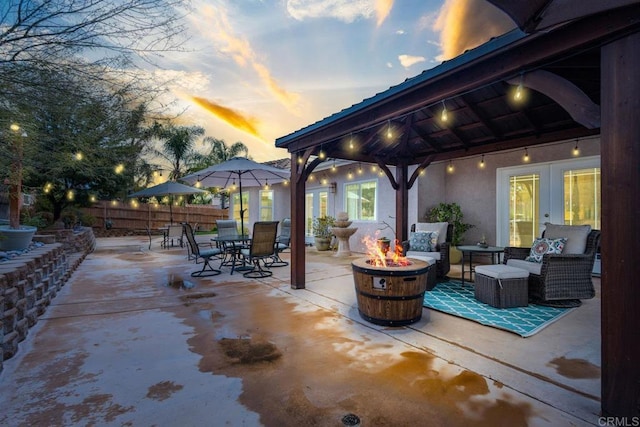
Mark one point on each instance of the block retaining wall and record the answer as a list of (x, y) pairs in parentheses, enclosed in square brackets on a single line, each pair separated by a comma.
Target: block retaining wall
[(29, 282)]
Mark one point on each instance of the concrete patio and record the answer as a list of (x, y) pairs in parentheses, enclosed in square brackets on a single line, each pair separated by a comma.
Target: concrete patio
[(132, 339)]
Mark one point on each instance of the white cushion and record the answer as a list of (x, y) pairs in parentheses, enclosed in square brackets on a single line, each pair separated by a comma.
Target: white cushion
[(428, 260), (424, 256), (501, 271), (576, 236), (439, 227), (531, 267)]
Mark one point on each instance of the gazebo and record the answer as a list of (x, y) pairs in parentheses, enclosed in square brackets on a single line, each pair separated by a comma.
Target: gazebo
[(581, 76)]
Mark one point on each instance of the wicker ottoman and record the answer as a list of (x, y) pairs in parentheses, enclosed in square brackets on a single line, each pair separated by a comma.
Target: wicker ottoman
[(502, 286)]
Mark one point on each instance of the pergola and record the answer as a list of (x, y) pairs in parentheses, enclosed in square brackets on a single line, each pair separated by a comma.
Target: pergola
[(581, 78)]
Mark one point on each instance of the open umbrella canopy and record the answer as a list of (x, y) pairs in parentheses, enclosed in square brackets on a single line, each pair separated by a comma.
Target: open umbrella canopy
[(240, 171), (168, 188), (252, 174)]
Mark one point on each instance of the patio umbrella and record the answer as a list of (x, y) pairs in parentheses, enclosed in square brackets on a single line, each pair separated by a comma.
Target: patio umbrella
[(247, 172), (168, 188)]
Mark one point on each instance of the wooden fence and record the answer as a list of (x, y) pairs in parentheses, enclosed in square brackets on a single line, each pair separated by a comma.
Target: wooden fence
[(125, 216)]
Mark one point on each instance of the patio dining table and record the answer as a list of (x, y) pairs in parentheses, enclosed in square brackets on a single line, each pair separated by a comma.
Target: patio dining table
[(231, 245)]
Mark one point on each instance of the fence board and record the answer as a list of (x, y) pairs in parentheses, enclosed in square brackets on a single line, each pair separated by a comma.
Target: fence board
[(128, 217)]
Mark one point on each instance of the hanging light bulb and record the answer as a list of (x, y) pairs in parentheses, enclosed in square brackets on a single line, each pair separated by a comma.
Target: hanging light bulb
[(389, 132), (482, 162), (233, 185), (450, 167), (576, 150), (517, 96), (321, 154), (333, 167), (359, 169), (526, 155), (349, 174), (444, 116), (350, 142), (266, 184)]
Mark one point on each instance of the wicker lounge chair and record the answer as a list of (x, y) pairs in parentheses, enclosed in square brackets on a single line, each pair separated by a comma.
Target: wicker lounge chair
[(441, 254), (561, 280)]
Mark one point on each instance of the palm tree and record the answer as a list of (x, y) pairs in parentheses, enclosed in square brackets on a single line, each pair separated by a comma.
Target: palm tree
[(178, 147), (221, 152)]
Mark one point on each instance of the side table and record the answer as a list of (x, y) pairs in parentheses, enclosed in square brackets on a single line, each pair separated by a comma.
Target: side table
[(469, 250)]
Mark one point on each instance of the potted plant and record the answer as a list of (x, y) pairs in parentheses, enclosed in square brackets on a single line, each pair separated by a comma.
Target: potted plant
[(451, 213), (322, 232), (15, 236)]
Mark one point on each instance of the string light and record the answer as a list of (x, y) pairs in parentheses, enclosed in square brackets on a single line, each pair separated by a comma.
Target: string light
[(576, 150), (526, 155), (359, 169), (444, 116), (450, 167), (351, 141), (349, 174), (78, 156), (266, 184), (482, 162), (333, 167), (119, 169), (233, 185), (389, 133), (321, 154)]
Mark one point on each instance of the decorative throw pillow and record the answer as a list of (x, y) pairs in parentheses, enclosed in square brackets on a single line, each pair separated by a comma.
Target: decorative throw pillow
[(423, 241), (543, 246)]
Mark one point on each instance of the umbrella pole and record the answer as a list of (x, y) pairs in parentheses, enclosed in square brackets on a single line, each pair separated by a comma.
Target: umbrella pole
[(241, 207), (171, 209)]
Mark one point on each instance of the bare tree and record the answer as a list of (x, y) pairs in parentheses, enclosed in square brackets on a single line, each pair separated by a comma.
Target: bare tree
[(44, 32)]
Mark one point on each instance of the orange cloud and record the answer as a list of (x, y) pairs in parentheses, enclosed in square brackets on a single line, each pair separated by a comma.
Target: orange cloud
[(232, 117), (465, 24), (383, 8)]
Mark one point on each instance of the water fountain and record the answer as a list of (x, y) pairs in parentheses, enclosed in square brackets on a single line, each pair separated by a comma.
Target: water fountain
[(343, 232)]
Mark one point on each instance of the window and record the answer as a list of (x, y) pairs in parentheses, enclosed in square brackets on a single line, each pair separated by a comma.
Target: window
[(361, 200), (236, 206), (266, 205)]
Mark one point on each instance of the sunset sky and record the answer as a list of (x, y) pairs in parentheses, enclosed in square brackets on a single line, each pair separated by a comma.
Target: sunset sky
[(256, 70)]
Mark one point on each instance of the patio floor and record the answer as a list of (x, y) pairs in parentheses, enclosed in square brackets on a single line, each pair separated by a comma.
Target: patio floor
[(132, 339)]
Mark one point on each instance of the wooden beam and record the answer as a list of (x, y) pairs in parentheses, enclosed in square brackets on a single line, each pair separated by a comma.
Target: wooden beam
[(569, 96), (402, 201), (298, 260), (620, 150)]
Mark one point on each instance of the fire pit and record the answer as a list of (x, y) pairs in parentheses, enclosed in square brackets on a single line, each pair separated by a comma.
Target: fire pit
[(391, 294)]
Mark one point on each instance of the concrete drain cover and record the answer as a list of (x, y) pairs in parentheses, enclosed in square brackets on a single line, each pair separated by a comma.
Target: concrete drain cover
[(351, 420)]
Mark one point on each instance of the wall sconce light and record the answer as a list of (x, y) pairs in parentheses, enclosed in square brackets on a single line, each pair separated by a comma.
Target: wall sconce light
[(526, 156)]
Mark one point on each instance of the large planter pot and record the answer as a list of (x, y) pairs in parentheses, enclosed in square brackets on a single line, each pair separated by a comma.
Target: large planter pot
[(16, 239), (322, 243), (455, 256)]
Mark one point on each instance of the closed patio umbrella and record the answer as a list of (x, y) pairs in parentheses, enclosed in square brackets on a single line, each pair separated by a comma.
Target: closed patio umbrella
[(247, 172), (169, 188)]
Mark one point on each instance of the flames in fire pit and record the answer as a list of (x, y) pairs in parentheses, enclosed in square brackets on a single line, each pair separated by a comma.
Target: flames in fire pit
[(378, 258)]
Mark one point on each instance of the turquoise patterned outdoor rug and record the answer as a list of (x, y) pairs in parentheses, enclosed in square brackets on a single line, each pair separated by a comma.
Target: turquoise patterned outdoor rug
[(451, 298)]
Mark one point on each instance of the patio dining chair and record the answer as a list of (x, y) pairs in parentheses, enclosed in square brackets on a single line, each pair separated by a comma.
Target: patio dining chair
[(261, 249), (282, 243), (228, 228), (174, 232), (205, 254)]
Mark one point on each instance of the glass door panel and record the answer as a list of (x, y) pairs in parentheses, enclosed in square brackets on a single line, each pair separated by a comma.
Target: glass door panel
[(524, 209), (582, 197), (308, 214)]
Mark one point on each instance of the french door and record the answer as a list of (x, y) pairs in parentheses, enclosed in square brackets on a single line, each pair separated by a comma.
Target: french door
[(316, 205), (566, 192)]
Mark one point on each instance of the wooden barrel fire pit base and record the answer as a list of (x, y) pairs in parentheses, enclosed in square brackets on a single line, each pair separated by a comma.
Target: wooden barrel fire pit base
[(390, 296)]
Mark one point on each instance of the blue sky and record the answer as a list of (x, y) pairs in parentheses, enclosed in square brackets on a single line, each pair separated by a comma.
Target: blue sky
[(257, 70)]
